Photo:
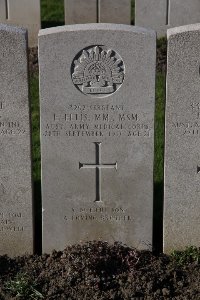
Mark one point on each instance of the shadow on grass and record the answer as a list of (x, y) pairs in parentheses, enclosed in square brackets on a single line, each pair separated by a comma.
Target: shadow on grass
[(48, 24), (37, 218), (158, 218)]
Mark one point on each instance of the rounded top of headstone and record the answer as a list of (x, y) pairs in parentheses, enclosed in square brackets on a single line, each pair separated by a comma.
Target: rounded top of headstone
[(183, 29), (14, 29), (99, 26)]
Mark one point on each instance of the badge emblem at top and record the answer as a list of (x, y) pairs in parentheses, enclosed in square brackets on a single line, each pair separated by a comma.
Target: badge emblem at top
[(98, 71)]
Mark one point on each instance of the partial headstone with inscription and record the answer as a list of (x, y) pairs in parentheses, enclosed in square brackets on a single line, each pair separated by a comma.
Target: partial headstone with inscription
[(97, 11), (16, 220), (97, 130), (23, 13), (161, 15), (182, 145)]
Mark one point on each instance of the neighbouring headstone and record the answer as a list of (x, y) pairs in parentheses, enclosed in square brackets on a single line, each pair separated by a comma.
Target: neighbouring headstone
[(182, 145), (115, 11), (97, 11), (97, 133), (16, 220), (3, 9), (23, 13), (161, 15), (152, 14), (81, 11), (183, 12)]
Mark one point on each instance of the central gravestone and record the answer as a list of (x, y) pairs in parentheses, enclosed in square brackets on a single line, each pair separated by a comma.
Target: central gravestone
[(97, 119)]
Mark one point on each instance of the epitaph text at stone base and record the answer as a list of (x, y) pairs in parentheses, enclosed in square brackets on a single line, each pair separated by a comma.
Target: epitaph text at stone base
[(97, 130), (16, 220)]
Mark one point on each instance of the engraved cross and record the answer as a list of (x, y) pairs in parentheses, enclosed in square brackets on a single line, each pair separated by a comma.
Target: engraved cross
[(98, 166)]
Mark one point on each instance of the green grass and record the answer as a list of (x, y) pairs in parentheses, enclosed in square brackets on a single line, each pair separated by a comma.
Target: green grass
[(23, 287), (189, 255), (159, 128), (52, 11), (35, 116)]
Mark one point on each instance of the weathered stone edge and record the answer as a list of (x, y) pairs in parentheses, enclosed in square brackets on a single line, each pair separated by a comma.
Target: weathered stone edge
[(95, 26), (182, 29), (13, 28)]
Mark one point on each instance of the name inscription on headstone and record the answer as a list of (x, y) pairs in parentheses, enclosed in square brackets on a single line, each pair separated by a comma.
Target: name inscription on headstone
[(91, 124), (190, 127)]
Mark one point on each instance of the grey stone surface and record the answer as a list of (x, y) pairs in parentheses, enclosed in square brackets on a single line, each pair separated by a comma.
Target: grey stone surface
[(2, 9), (183, 12), (161, 15), (81, 11), (182, 145), (101, 11), (16, 228), (115, 11), (22, 13), (152, 14), (97, 120)]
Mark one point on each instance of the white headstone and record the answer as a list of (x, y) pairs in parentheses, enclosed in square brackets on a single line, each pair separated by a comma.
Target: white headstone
[(23, 13), (161, 15), (97, 11), (81, 11), (152, 14), (182, 145), (183, 12), (115, 11), (3, 10), (97, 132), (16, 220)]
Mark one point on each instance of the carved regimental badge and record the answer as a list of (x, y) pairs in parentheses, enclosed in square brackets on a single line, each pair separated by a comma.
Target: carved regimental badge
[(98, 71)]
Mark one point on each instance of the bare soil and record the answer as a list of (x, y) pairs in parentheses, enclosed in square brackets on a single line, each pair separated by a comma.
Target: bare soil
[(97, 271)]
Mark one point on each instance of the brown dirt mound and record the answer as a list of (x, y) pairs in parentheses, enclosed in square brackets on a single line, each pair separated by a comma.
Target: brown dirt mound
[(99, 271)]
